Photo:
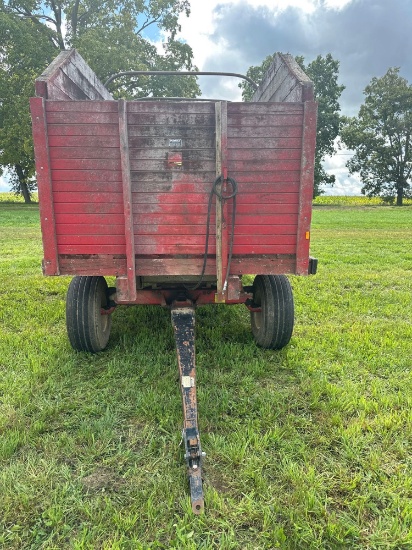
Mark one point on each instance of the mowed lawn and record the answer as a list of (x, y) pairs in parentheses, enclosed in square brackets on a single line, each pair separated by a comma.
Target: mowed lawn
[(307, 448)]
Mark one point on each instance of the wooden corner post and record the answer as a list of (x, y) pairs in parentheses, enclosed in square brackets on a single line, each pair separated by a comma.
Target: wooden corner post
[(126, 286), (221, 204)]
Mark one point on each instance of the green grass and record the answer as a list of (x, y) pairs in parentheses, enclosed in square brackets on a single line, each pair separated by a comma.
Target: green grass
[(309, 447)]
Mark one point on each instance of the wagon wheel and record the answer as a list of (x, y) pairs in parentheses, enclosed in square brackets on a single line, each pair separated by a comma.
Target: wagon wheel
[(88, 329), (272, 326)]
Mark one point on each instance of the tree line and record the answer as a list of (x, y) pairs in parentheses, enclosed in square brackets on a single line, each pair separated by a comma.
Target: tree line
[(111, 36)]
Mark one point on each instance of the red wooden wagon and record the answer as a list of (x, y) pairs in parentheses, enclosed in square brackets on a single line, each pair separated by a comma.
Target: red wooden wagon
[(178, 199)]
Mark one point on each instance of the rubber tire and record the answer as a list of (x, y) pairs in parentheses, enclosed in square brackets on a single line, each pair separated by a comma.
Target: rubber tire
[(87, 328), (272, 327)]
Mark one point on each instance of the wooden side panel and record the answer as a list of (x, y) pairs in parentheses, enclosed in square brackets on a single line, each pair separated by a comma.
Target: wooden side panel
[(284, 82), (268, 176), (69, 77), (85, 164), (172, 161)]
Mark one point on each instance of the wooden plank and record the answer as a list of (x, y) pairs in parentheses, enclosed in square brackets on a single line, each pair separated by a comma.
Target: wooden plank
[(244, 120), (265, 131), (165, 106), (248, 108), (130, 294), (174, 198), (104, 264), (263, 165), (261, 154), (102, 141), (173, 132), (89, 187), (85, 175), (86, 164), (180, 230), (306, 188), (246, 187), (82, 117), (284, 81), (172, 119), (160, 154), (200, 209), (193, 166), (83, 130), (66, 215), (221, 208), (91, 249), (241, 219), (177, 248), (84, 153), (89, 229), (167, 240), (192, 266), (171, 178), (150, 266), (44, 183), (161, 142), (265, 143), (81, 107), (95, 199), (93, 240)]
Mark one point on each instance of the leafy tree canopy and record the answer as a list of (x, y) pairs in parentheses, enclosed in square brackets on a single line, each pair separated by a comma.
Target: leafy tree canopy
[(381, 137), (324, 72), (111, 38)]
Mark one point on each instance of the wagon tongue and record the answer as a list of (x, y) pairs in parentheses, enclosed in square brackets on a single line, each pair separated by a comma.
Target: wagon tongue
[(183, 321)]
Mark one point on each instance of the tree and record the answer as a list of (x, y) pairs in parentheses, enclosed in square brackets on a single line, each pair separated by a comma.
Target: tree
[(110, 37), (381, 138), (324, 72)]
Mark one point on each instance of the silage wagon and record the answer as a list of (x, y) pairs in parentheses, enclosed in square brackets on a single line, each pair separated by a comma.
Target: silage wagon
[(177, 199)]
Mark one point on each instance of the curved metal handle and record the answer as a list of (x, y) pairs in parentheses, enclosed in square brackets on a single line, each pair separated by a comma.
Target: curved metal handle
[(179, 73)]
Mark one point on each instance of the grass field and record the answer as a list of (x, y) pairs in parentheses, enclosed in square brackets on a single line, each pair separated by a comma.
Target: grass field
[(307, 448)]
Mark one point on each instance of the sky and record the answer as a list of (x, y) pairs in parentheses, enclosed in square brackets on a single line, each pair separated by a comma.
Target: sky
[(365, 36)]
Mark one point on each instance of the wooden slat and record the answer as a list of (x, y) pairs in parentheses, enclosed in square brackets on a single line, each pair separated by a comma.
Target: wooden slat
[(86, 164), (202, 198), (93, 199), (176, 249), (71, 107), (89, 187), (192, 266), (89, 229), (68, 214), (152, 266), (82, 117), (269, 108), (161, 164), (83, 153), (84, 141), (44, 183), (83, 130), (177, 230), (171, 118), (244, 120), (241, 219), (200, 209), (93, 240), (151, 107), (85, 175), (265, 131), (188, 187), (103, 264)]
